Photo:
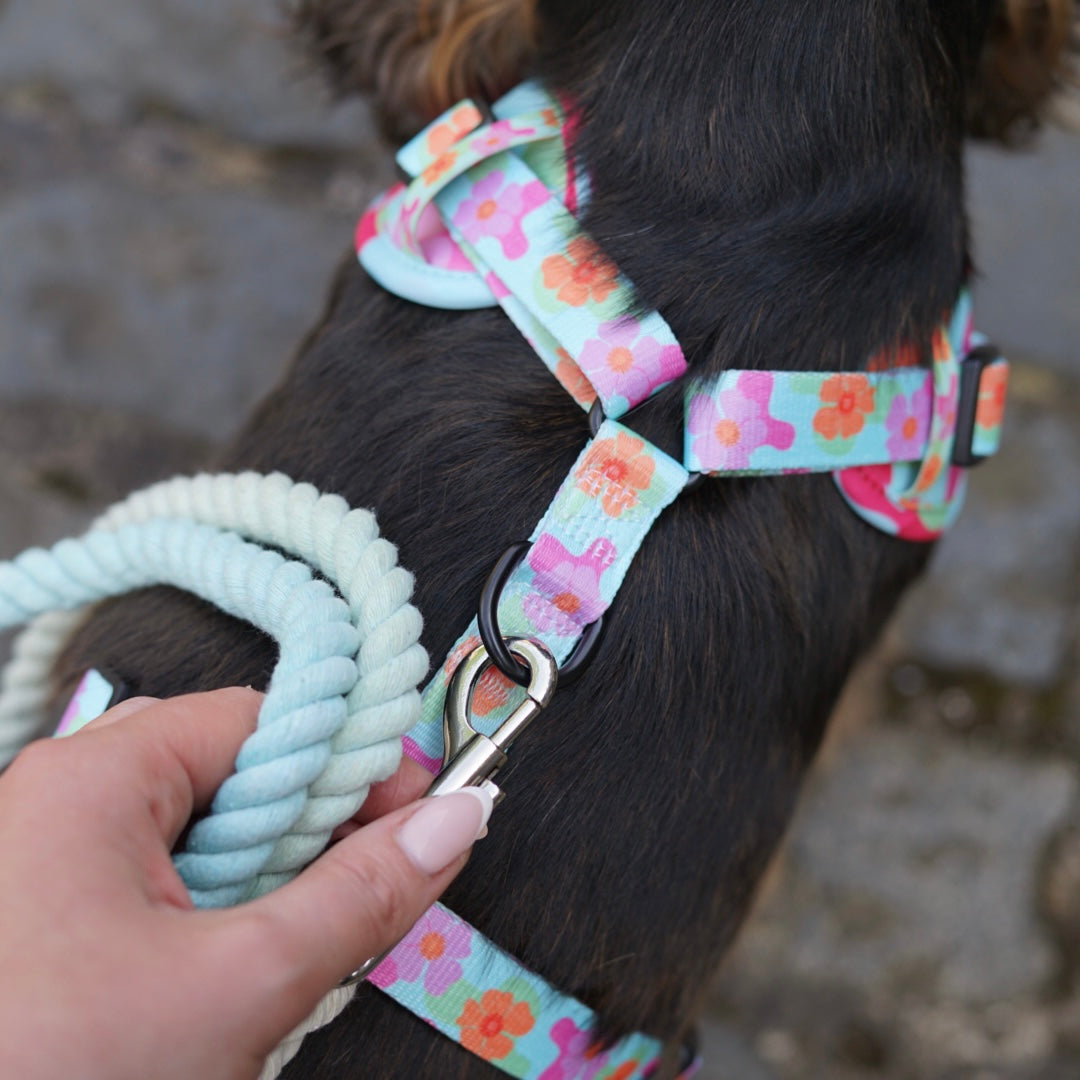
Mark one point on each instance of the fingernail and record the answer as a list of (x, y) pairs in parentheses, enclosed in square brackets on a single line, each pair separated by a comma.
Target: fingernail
[(444, 828), (126, 708)]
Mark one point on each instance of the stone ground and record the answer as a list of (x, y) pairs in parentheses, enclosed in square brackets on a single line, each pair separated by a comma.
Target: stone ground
[(173, 195)]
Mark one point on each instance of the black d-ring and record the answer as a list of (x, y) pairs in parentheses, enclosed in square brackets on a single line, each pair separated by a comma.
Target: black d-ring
[(487, 615), (596, 416), (574, 665), (487, 618)]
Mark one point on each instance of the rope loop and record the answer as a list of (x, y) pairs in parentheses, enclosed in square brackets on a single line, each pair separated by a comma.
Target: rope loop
[(343, 692)]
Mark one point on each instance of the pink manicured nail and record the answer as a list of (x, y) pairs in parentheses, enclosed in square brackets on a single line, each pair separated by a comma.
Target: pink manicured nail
[(444, 828)]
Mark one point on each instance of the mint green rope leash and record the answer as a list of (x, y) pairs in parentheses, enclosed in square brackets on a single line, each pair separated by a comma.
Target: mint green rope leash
[(341, 544), (345, 686)]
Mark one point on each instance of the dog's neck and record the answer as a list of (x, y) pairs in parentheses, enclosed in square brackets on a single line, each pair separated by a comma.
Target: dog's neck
[(751, 159)]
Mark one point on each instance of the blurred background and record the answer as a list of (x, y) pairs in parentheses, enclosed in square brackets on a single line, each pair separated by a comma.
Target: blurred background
[(174, 192)]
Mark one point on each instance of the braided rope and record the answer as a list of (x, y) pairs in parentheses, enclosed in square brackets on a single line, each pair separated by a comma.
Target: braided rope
[(24, 682), (380, 700), (328, 1010)]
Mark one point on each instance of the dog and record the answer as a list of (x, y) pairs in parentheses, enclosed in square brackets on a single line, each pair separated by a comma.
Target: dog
[(784, 183)]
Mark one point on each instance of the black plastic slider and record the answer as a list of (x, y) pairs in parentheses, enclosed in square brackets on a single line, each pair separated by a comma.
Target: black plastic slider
[(971, 369)]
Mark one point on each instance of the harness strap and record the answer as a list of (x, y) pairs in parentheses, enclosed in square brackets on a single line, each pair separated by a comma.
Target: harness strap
[(581, 551), (454, 977), (449, 974), (559, 289), (501, 193), (769, 423), (444, 969), (520, 240)]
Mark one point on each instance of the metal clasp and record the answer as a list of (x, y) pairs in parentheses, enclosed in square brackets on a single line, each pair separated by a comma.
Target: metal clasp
[(469, 757)]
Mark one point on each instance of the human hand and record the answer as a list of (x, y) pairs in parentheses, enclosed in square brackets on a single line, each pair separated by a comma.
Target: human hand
[(108, 970)]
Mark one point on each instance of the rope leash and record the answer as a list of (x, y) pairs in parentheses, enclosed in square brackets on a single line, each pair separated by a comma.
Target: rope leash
[(344, 689)]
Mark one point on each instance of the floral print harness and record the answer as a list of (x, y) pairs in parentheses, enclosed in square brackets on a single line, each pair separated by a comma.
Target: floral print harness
[(489, 218)]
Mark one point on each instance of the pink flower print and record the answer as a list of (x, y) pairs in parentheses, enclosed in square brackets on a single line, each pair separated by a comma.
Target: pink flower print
[(386, 974), (369, 225), (869, 488), (432, 947), (498, 289), (621, 363), (440, 250), (579, 1057), (565, 595), (497, 137), (725, 438), (908, 423), (496, 208), (401, 227), (436, 244)]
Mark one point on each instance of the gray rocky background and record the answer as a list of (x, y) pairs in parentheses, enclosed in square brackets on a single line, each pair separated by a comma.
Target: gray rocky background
[(173, 194)]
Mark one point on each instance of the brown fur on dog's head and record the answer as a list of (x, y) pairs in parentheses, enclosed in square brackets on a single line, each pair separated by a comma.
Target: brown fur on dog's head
[(1021, 64), (418, 57)]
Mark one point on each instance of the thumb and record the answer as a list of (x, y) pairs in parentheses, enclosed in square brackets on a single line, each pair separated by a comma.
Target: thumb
[(357, 900)]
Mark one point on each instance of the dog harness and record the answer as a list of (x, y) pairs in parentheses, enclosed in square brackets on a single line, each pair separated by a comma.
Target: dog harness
[(488, 218)]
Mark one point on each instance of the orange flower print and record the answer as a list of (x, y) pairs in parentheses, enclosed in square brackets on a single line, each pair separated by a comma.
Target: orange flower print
[(458, 653), (460, 122), (616, 470), (549, 116), (439, 166), (493, 689), (621, 1072), (929, 473), (992, 389), (848, 400), (581, 275), (572, 378), (490, 1025), (941, 346)]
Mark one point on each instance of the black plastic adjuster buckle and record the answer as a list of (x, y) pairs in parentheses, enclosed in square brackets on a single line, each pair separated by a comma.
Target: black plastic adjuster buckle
[(971, 369)]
